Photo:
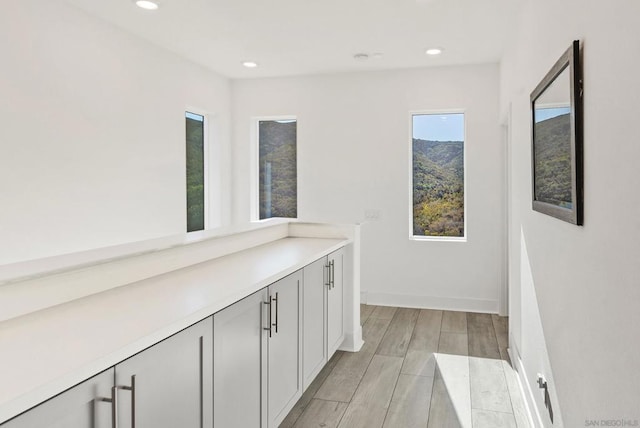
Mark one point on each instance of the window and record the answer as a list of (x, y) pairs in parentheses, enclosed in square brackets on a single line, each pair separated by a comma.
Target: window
[(278, 183), (195, 125), (438, 176)]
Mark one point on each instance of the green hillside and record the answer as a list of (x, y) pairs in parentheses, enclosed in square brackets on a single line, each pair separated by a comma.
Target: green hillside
[(438, 188), (278, 148), (195, 175), (553, 160)]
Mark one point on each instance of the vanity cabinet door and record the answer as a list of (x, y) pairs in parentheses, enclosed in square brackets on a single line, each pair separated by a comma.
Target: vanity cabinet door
[(284, 348), (239, 364), (86, 405), (314, 339), (169, 385)]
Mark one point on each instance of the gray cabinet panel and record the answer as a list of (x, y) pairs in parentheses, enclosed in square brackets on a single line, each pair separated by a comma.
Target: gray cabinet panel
[(238, 363), (172, 379), (79, 407), (284, 348), (314, 349)]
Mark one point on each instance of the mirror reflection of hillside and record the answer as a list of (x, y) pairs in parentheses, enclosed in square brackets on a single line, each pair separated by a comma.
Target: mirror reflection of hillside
[(553, 160), (552, 144)]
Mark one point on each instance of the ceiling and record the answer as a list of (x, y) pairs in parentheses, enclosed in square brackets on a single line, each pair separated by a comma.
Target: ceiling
[(297, 37)]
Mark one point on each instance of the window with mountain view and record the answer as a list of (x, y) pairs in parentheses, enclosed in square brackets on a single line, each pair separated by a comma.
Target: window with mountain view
[(438, 175), (195, 171), (278, 182)]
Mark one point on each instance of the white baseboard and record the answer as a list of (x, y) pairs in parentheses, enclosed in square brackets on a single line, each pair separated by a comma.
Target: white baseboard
[(363, 297), (429, 302), (352, 341), (525, 389)]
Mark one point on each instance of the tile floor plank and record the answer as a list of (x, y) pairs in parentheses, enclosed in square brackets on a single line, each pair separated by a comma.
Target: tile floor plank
[(364, 389), (488, 419), (384, 312), (441, 411), (365, 312), (321, 413), (489, 389), (501, 328), (517, 401), (419, 363), (454, 322), (344, 379), (396, 340), (410, 402), (419, 358), (427, 330), (370, 403), (453, 371), (454, 344), (482, 336), (313, 388)]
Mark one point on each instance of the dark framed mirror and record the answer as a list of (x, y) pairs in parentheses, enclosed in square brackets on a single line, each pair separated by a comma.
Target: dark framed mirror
[(556, 111)]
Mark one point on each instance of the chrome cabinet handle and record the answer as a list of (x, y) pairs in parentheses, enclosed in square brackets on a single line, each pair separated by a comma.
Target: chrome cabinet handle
[(275, 299), (268, 328), (114, 394), (114, 406), (201, 346), (328, 272), (332, 272)]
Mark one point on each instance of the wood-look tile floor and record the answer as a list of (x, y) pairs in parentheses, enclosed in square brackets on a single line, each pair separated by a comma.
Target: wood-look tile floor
[(389, 383)]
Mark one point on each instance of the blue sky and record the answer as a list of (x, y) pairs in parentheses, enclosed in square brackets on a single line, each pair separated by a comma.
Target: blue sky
[(548, 113), (439, 127), (194, 116)]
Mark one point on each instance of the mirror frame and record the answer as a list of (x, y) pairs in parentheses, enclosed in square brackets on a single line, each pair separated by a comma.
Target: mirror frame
[(570, 59)]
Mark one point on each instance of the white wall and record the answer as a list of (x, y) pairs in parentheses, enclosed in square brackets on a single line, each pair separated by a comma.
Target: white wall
[(92, 133), (353, 154), (578, 287)]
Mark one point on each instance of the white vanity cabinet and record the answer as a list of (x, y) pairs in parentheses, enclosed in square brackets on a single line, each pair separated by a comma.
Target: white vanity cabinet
[(86, 405), (244, 366)]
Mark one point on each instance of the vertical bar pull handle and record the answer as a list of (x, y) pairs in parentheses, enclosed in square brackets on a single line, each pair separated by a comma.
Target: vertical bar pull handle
[(326, 271), (132, 389), (133, 401), (332, 271), (276, 323), (268, 328), (114, 405), (201, 349)]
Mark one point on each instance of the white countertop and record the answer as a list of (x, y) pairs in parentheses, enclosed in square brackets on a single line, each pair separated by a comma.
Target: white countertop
[(49, 351)]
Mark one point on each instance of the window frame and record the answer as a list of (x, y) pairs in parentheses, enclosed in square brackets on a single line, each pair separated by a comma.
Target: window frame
[(206, 166), (254, 193), (419, 238)]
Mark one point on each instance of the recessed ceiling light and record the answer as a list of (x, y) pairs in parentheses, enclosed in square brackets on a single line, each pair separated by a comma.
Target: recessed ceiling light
[(433, 51), (377, 55), (147, 4), (250, 64)]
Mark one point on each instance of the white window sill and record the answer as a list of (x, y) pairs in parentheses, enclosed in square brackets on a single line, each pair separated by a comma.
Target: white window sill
[(438, 238)]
